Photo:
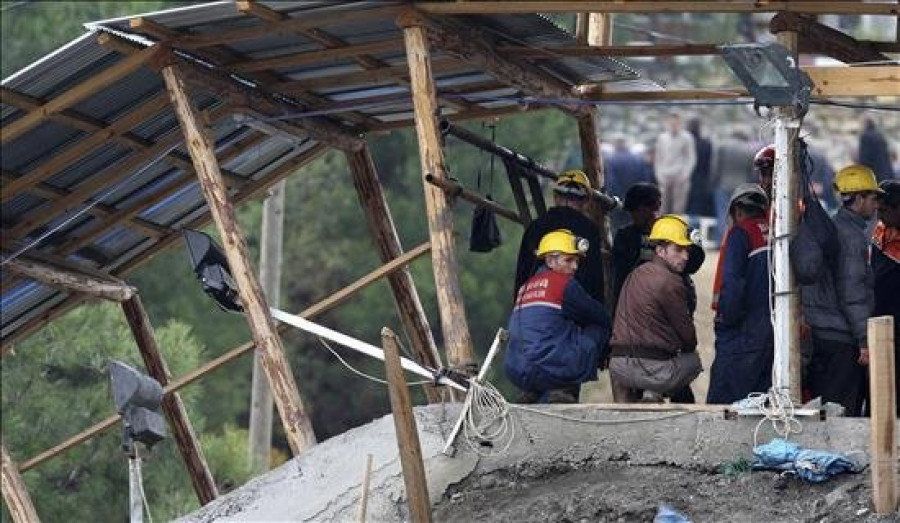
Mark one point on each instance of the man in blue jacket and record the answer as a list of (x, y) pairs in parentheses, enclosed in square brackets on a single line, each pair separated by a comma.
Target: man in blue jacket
[(744, 338), (557, 331)]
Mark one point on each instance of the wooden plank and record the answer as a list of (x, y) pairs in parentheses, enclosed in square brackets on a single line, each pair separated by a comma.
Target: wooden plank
[(387, 243), (83, 147), (77, 93), (172, 406), (411, 462), (284, 28), (882, 393), (855, 81), (482, 113), (655, 6), (457, 340), (221, 85), (554, 53), (816, 38), (77, 439), (316, 57), (70, 281), (298, 428), (368, 76), (15, 493)]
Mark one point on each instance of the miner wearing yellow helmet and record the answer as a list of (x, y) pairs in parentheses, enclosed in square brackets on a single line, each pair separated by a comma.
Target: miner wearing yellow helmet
[(838, 306), (557, 331), (654, 342)]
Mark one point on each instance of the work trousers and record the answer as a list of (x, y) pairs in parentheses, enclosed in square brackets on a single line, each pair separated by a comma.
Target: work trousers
[(835, 375), (675, 192)]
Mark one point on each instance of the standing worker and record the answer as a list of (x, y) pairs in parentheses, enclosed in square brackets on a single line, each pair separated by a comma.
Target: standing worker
[(838, 306), (631, 247), (886, 264), (675, 159), (572, 200), (557, 331), (745, 344), (654, 342)]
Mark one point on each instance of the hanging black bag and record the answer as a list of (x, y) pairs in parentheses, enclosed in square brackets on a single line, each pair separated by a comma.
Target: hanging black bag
[(815, 246), (485, 234)]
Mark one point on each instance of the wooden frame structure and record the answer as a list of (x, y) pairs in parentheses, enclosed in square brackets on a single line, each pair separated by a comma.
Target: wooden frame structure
[(432, 43)]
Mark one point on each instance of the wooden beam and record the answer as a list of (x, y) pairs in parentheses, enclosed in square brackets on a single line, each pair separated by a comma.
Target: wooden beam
[(220, 84), (482, 113), (285, 28), (596, 92), (298, 429), (315, 57), (387, 243), (83, 147), (70, 281), (457, 340), (368, 76), (468, 44), (455, 189), (882, 393), (855, 81), (15, 493), (818, 38), (77, 93), (655, 6), (172, 406), (410, 450), (554, 53)]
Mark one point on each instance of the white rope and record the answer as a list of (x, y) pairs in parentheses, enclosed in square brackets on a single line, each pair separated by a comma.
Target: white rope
[(777, 408), (140, 482)]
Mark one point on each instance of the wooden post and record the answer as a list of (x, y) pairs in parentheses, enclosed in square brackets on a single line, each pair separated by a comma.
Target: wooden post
[(297, 425), (883, 396), (407, 433), (172, 406), (596, 29), (364, 490), (387, 242), (795, 364), (454, 326), (15, 494), (261, 402)]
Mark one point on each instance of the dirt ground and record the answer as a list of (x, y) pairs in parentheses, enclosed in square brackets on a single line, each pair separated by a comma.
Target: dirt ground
[(614, 491), (600, 392)]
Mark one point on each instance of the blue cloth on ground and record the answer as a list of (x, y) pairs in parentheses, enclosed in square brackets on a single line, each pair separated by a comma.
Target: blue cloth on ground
[(812, 465)]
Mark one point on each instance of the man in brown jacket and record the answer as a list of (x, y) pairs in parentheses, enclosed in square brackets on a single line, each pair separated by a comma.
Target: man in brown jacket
[(654, 341)]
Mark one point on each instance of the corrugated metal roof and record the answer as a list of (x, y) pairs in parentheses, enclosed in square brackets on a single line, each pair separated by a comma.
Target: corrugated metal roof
[(113, 204)]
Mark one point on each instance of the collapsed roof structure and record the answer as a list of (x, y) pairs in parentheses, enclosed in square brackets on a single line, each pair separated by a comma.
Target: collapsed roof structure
[(148, 125)]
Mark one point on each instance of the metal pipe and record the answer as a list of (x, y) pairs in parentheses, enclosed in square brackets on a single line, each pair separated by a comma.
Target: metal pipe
[(455, 189), (534, 169)]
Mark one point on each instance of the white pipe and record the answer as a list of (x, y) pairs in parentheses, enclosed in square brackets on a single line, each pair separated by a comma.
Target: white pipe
[(357, 345), (782, 209)]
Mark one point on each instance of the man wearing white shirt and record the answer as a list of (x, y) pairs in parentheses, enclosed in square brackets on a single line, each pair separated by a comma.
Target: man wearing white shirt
[(675, 159)]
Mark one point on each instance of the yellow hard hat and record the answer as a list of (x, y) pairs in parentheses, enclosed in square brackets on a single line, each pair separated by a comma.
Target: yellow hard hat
[(562, 240), (574, 176), (855, 178), (670, 228)]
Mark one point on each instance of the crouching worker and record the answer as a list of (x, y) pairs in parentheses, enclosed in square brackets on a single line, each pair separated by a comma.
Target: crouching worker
[(654, 341), (558, 333)]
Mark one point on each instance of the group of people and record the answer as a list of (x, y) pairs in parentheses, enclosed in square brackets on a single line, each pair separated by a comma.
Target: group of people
[(563, 330)]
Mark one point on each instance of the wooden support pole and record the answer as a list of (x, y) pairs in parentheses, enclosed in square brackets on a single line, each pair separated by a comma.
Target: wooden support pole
[(261, 403), (71, 281), (297, 425), (387, 242), (454, 326), (364, 490), (407, 433), (596, 31), (172, 406), (883, 396), (15, 494)]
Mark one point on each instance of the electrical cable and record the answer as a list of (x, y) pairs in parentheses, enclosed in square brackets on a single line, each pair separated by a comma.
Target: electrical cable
[(361, 373)]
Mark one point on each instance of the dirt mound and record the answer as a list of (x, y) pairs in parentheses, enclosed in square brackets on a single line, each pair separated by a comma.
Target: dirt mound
[(615, 491)]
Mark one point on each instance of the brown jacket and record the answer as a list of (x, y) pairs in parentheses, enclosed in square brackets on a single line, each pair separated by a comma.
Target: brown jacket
[(652, 311)]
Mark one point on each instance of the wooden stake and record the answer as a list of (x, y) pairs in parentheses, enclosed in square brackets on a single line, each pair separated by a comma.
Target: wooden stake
[(298, 427), (883, 396), (407, 433), (455, 328), (387, 242), (15, 494), (261, 403), (172, 406), (364, 491)]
